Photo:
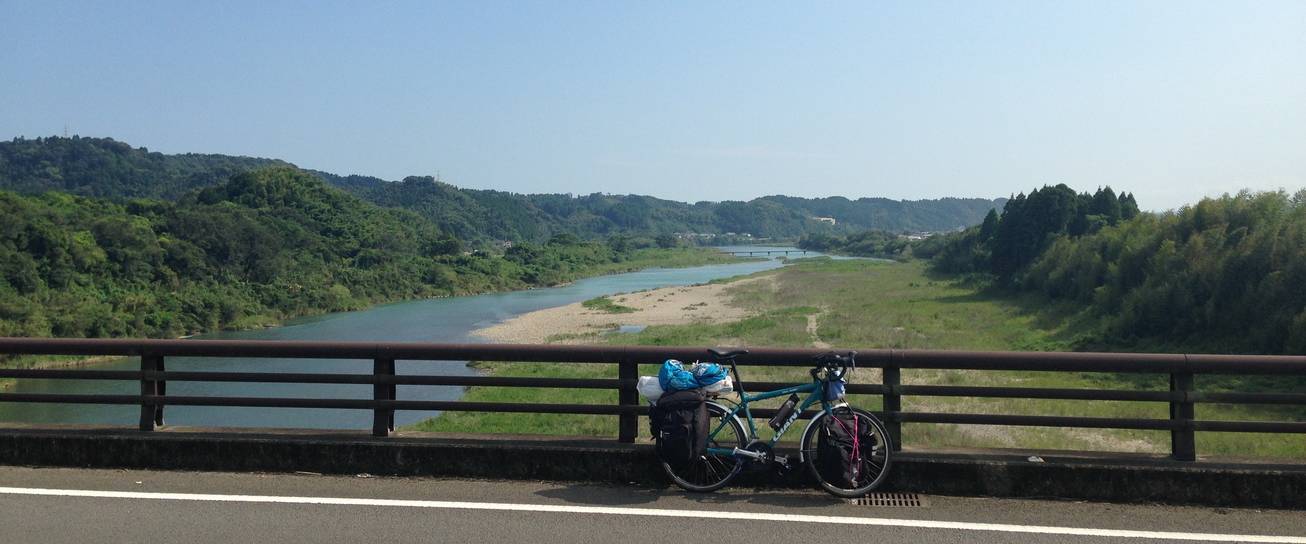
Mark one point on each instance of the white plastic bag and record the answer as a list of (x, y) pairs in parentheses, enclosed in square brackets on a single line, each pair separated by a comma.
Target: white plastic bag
[(649, 387), (722, 387)]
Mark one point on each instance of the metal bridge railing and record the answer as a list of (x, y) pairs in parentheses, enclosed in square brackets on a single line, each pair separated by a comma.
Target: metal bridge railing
[(153, 376)]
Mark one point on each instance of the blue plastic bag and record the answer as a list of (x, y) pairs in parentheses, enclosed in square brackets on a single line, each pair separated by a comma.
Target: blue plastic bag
[(673, 377), (708, 373)]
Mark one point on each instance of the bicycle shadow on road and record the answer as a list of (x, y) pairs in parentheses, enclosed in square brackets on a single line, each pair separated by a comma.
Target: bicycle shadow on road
[(604, 495), (764, 497)]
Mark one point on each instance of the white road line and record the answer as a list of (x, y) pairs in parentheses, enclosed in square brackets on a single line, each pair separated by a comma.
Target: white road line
[(717, 515)]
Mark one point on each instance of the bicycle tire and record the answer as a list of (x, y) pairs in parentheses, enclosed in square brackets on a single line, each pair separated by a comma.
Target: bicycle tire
[(712, 472), (878, 462)]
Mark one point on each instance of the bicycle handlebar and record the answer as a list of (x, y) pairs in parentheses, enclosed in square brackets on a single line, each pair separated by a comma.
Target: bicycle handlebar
[(832, 362)]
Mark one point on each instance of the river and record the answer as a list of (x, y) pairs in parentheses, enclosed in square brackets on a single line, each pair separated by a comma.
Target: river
[(432, 320)]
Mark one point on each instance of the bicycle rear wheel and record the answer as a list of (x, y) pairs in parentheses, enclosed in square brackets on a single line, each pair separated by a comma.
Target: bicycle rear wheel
[(871, 464), (712, 472)]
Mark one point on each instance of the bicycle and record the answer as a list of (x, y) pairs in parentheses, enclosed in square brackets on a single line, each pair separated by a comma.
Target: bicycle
[(730, 449)]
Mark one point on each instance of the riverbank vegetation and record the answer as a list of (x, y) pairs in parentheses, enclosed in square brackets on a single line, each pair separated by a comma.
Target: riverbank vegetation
[(1224, 275), (1220, 276), (855, 303), (606, 305), (1055, 271), (265, 246)]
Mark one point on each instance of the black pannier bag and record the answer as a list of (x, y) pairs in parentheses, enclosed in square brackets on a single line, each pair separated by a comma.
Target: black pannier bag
[(679, 425), (834, 449)]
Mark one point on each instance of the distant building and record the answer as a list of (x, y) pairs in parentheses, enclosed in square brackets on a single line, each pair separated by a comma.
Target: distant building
[(829, 220), (916, 236)]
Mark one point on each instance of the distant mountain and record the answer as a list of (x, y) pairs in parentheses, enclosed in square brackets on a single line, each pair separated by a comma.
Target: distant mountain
[(268, 244), (103, 167)]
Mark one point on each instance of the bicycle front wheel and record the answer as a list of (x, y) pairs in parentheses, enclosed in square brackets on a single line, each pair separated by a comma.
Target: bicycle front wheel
[(847, 471), (712, 472)]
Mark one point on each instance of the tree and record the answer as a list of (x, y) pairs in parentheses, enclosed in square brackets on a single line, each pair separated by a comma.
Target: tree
[(989, 227), (1107, 205)]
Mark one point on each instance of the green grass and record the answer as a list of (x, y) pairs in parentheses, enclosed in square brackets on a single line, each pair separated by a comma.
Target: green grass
[(605, 304), (861, 304)]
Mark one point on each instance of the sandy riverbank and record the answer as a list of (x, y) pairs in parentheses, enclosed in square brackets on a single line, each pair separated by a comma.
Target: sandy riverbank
[(575, 323)]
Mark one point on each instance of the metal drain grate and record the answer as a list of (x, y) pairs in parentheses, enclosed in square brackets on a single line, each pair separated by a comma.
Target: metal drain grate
[(892, 500)]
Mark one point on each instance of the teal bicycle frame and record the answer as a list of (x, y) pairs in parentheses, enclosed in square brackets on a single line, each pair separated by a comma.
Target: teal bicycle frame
[(815, 395)]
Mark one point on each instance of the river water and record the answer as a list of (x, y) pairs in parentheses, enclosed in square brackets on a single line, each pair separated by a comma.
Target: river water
[(433, 320)]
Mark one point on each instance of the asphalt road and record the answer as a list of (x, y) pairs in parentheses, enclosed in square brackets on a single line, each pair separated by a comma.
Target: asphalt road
[(163, 507)]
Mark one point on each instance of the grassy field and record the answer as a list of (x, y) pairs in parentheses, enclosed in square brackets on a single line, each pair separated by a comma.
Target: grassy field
[(606, 305), (867, 304)]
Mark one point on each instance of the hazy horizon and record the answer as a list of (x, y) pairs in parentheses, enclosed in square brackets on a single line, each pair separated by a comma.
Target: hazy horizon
[(1170, 101)]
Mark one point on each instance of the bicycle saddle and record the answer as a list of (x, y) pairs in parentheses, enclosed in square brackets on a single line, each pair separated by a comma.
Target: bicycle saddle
[(727, 353)]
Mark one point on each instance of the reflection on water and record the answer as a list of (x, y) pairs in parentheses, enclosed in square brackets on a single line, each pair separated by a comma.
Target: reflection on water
[(434, 320)]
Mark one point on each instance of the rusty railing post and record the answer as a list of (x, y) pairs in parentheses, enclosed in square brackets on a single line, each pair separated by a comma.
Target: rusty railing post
[(893, 399), (627, 395), (161, 386), (1183, 443), (383, 419), (151, 386)]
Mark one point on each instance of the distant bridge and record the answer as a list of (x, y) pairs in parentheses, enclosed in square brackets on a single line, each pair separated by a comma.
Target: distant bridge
[(768, 252)]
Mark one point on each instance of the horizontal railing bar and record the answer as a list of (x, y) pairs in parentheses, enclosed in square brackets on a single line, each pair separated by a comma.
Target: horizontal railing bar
[(601, 383), (907, 359), (596, 409), (1035, 421), (358, 404), (1100, 362), (751, 387), (1040, 361), (397, 351), (1246, 364), (365, 379), (1036, 393), (1250, 426), (401, 379), (1249, 398), (299, 377), (69, 374), (71, 399), (1104, 423)]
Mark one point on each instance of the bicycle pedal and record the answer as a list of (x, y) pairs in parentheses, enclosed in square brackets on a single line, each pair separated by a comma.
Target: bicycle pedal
[(782, 461)]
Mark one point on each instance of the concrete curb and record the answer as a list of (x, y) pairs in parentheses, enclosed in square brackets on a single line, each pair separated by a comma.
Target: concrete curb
[(1062, 475)]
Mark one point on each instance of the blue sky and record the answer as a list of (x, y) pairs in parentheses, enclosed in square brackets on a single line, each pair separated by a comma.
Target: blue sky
[(689, 101)]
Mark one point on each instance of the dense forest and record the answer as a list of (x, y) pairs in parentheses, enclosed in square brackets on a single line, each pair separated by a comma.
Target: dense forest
[(102, 167), (1005, 245), (1226, 273), (266, 245), (1223, 275)]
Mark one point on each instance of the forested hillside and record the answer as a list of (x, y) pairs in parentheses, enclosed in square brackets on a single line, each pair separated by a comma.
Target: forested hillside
[(102, 167), (514, 216), (267, 245), (1223, 275), (1005, 245)]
